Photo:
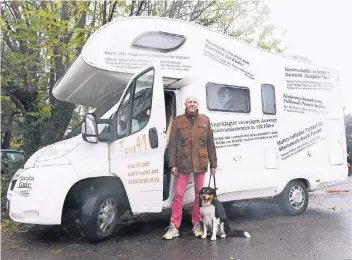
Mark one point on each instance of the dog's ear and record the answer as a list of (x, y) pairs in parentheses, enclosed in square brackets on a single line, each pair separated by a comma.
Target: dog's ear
[(200, 200), (211, 191)]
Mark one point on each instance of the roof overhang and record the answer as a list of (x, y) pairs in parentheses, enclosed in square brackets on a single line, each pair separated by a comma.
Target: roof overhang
[(85, 85)]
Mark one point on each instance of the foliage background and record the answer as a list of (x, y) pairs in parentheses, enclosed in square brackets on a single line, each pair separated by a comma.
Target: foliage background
[(42, 38)]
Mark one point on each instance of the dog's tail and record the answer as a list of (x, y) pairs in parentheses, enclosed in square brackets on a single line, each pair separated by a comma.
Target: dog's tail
[(237, 233), (231, 232)]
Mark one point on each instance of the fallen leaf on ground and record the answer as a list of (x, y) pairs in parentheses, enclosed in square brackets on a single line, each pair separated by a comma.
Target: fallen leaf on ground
[(9, 226), (56, 252), (336, 208)]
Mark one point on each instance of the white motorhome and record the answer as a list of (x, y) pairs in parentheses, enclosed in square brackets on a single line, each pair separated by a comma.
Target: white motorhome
[(278, 124)]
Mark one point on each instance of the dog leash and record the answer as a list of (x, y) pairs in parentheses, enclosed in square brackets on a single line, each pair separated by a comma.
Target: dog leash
[(214, 183)]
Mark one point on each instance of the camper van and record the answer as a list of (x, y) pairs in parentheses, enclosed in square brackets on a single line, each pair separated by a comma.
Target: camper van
[(278, 125)]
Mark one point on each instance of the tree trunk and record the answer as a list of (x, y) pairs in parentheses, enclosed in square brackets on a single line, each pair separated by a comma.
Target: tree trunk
[(56, 126), (31, 136), (31, 126), (5, 144)]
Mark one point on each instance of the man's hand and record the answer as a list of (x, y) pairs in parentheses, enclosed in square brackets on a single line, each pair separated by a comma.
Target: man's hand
[(174, 171), (212, 171)]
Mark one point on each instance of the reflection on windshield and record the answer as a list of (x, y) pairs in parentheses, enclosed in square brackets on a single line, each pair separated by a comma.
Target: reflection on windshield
[(142, 101), (108, 115)]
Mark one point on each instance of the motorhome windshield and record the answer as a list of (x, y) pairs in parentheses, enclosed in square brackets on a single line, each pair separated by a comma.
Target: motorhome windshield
[(141, 103)]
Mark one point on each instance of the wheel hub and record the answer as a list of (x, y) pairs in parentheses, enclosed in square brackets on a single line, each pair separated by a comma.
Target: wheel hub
[(297, 197), (106, 215)]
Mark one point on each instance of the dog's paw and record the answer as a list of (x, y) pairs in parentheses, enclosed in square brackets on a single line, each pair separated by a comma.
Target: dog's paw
[(213, 238), (223, 235)]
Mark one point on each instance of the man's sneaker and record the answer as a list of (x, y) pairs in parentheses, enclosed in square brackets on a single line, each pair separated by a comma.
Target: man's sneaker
[(197, 230), (171, 232)]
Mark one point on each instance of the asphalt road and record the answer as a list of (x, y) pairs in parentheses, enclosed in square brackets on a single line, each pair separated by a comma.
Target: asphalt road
[(324, 231)]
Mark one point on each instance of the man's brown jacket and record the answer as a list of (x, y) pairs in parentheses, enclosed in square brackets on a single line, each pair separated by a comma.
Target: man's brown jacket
[(191, 144)]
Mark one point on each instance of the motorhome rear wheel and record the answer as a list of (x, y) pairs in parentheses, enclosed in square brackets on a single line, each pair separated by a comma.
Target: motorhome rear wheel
[(294, 198)]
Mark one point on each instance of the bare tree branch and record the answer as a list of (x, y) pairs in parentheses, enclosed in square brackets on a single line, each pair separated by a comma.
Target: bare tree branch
[(104, 11), (112, 11), (180, 5), (132, 8), (9, 43), (94, 16), (14, 99), (10, 9), (139, 10), (194, 10), (199, 12)]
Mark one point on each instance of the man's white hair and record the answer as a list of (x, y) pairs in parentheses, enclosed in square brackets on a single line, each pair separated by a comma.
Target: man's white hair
[(191, 96)]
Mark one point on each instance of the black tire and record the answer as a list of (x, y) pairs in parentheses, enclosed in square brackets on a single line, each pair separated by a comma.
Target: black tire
[(284, 198), (89, 218)]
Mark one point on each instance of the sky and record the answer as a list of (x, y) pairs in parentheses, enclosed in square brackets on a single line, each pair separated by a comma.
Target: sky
[(321, 31)]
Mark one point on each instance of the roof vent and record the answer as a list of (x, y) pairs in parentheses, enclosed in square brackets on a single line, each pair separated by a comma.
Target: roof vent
[(158, 41)]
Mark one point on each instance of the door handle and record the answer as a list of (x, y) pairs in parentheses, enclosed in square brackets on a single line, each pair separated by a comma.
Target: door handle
[(153, 138)]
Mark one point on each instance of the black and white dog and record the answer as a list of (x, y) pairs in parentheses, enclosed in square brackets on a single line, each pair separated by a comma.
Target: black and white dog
[(214, 216)]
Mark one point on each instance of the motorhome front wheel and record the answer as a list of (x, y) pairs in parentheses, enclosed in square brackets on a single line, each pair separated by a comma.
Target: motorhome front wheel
[(294, 198), (99, 216)]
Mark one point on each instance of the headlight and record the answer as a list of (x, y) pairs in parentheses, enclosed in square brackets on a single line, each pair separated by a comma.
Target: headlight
[(17, 174), (31, 160), (58, 150)]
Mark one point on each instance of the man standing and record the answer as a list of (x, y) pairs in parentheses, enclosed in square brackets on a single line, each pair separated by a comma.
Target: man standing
[(191, 148)]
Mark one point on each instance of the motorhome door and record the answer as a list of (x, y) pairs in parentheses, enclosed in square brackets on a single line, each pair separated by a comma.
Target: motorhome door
[(137, 156)]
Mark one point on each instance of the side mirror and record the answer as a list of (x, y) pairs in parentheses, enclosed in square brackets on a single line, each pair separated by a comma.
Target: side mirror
[(90, 129)]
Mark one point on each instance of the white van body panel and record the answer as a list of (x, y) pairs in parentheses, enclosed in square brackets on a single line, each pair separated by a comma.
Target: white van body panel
[(39, 195), (258, 153)]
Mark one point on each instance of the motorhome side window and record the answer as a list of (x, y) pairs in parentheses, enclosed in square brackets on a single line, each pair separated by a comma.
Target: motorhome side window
[(142, 101), (268, 99), (228, 98)]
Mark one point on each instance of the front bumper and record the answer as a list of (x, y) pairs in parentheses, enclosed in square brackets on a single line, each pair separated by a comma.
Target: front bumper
[(38, 195)]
